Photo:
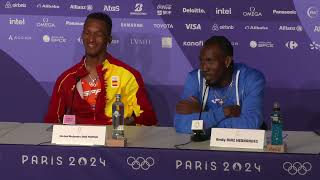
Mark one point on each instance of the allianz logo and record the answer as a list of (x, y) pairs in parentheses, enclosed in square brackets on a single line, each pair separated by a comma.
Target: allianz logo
[(291, 28), (88, 7)]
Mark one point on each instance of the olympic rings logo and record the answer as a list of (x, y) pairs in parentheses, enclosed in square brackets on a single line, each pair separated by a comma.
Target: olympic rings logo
[(140, 162), (297, 168)]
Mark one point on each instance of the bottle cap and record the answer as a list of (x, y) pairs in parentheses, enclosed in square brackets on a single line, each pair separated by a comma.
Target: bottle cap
[(118, 96), (276, 105)]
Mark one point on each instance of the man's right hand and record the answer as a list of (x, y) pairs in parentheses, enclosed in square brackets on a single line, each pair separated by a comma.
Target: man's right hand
[(232, 111)]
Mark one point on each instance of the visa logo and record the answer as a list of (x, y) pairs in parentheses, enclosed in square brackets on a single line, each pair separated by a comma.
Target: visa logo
[(193, 26)]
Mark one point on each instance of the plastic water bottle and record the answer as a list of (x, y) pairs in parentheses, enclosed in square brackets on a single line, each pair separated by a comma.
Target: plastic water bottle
[(276, 125), (118, 118)]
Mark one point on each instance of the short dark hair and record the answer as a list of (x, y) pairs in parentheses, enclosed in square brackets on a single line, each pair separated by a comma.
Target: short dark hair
[(224, 44), (102, 17)]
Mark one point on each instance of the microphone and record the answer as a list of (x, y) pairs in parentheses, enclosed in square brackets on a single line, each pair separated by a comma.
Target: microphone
[(70, 111), (200, 135), (203, 96)]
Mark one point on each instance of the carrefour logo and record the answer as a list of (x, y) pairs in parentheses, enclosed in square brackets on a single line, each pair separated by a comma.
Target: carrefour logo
[(292, 45)]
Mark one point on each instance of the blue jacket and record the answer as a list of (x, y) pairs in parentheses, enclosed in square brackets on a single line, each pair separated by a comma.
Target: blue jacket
[(246, 90)]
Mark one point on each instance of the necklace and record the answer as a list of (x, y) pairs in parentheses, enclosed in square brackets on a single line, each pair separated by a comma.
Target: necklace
[(93, 82)]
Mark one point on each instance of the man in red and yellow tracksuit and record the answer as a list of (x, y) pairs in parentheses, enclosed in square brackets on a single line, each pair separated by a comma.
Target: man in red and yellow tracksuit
[(88, 89)]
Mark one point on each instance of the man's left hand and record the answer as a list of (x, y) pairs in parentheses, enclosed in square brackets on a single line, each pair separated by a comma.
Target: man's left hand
[(189, 106)]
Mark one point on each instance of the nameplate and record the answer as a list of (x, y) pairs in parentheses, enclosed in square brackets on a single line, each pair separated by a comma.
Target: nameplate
[(79, 135), (69, 119), (237, 138)]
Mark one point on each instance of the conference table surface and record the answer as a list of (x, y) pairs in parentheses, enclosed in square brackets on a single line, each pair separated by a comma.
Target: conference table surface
[(151, 153), (305, 142)]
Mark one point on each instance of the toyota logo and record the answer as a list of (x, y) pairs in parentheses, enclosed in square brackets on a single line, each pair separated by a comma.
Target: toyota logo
[(140, 162), (297, 168)]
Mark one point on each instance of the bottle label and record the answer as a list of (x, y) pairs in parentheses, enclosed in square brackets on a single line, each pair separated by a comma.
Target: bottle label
[(120, 128), (116, 114)]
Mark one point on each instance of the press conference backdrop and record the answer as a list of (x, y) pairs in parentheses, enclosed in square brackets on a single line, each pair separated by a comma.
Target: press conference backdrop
[(40, 39)]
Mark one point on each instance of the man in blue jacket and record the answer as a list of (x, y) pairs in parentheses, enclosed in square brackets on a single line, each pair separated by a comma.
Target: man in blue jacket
[(232, 94)]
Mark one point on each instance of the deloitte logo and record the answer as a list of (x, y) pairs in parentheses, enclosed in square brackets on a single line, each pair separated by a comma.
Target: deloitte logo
[(193, 11)]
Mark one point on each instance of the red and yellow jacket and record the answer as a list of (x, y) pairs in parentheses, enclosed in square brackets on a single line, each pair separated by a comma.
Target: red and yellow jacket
[(116, 78)]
